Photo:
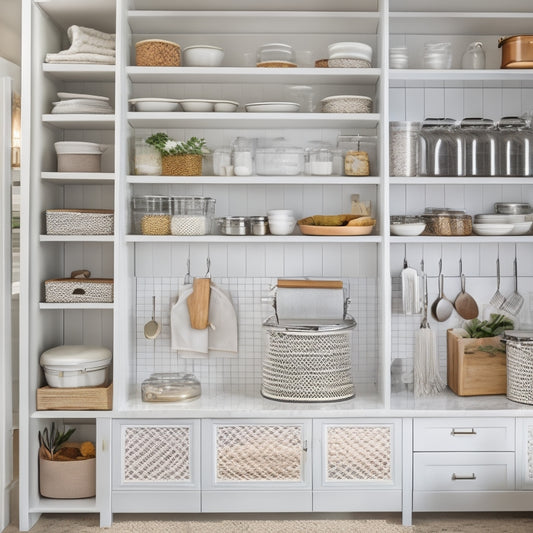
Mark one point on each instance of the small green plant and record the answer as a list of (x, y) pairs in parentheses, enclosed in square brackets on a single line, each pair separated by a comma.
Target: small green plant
[(496, 325), (52, 440), (167, 146)]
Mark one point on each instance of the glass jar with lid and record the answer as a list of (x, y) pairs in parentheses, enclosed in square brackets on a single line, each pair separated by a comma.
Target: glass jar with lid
[(151, 215), (515, 147), (474, 56), (321, 161), (444, 222), (242, 156), (438, 55), (441, 148), (272, 53), (403, 148), (192, 215), (481, 147), (360, 154), (147, 159)]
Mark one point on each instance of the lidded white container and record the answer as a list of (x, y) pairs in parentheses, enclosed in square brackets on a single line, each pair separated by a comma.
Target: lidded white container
[(76, 365)]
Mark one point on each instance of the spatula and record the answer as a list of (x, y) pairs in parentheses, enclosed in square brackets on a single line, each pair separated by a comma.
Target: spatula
[(514, 303), (497, 299)]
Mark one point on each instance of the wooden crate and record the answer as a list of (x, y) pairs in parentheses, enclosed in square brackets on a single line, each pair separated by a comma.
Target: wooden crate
[(476, 367), (75, 399)]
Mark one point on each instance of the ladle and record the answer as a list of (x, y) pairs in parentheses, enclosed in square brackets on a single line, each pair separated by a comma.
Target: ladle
[(442, 308), (152, 328), (464, 304)]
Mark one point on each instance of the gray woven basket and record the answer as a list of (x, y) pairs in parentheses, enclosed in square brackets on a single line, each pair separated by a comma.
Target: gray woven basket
[(519, 349), (308, 365)]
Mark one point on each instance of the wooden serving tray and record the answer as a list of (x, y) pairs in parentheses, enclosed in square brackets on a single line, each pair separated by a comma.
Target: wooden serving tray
[(335, 230)]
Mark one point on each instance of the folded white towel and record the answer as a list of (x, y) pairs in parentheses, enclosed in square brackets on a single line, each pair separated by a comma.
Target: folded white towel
[(80, 58), (189, 342), (82, 37), (223, 335)]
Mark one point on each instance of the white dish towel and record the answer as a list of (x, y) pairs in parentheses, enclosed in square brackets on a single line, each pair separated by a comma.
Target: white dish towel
[(219, 339)]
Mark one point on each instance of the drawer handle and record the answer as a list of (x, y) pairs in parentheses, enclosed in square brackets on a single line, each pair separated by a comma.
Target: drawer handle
[(456, 477), (463, 432)]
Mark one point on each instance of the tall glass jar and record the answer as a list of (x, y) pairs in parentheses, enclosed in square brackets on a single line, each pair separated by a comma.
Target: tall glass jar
[(147, 159), (441, 148), (242, 156), (481, 147), (515, 147), (403, 151)]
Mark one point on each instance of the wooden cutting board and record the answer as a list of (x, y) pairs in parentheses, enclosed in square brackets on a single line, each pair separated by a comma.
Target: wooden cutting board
[(309, 283), (198, 303)]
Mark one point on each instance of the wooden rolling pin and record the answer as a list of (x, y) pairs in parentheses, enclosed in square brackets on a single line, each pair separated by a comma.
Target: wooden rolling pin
[(309, 284), (198, 303)]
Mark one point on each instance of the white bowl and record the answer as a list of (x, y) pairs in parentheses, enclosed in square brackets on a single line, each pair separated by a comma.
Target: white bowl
[(202, 55), (493, 229), (156, 104), (78, 147), (350, 50), (281, 228), (226, 106), (197, 106), (407, 230), (521, 228), (272, 107), (496, 218), (281, 220), (285, 212)]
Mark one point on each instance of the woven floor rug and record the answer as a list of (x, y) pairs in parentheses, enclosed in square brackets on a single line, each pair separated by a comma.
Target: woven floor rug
[(345, 523)]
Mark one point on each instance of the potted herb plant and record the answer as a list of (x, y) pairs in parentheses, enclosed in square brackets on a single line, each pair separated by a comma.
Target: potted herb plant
[(66, 469), (179, 158)]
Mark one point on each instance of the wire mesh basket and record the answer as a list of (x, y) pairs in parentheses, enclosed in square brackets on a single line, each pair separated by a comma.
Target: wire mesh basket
[(519, 350), (308, 364)]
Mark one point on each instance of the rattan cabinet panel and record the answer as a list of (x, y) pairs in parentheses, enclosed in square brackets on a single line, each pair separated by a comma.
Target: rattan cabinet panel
[(157, 454)]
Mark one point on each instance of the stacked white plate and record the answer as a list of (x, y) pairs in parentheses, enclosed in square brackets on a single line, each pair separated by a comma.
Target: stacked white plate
[(272, 107), (81, 103), (497, 224)]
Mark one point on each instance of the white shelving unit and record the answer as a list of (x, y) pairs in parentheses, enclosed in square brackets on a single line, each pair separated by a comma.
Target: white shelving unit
[(143, 265)]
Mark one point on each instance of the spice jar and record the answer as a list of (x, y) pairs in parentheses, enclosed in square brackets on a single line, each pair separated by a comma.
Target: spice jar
[(515, 140), (444, 222), (441, 148), (151, 215), (481, 147), (147, 159), (403, 151)]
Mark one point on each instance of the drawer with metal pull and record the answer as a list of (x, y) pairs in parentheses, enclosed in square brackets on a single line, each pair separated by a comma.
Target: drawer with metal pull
[(472, 471), (464, 434)]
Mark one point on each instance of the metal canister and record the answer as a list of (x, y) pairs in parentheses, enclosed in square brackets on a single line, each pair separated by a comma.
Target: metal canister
[(259, 225)]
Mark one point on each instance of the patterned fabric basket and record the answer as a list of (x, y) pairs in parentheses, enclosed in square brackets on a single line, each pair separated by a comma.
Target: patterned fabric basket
[(519, 349), (79, 221), (72, 290), (308, 366)]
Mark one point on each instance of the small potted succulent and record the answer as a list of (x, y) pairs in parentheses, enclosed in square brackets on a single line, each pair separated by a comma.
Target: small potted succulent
[(66, 469), (179, 158)]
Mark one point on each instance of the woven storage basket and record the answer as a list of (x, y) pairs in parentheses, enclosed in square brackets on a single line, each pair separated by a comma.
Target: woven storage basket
[(73, 290), (182, 165), (308, 366), (157, 53), (519, 349), (79, 222)]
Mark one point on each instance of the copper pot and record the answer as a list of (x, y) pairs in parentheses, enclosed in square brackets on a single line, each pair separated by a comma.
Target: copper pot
[(517, 51)]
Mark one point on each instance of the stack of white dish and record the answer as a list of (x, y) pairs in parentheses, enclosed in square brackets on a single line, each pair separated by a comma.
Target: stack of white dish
[(349, 55), (81, 103), (498, 224), (281, 221)]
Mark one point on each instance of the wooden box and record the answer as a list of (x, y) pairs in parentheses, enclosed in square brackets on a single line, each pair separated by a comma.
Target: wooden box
[(476, 367), (75, 399)]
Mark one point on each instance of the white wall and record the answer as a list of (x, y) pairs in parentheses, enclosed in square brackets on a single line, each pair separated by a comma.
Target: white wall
[(10, 32)]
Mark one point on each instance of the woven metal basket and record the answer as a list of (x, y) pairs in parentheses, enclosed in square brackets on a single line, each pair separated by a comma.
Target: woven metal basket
[(79, 222), (519, 349), (308, 364)]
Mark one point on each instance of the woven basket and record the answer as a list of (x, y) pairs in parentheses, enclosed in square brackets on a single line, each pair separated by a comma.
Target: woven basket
[(157, 53), (520, 371), (72, 290), (182, 165), (79, 222), (307, 366)]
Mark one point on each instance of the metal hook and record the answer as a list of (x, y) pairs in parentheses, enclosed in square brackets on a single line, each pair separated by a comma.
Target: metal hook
[(460, 267), (187, 279), (440, 266), (208, 262)]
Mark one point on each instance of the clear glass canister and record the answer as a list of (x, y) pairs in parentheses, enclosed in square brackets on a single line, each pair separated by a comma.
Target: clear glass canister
[(398, 58), (438, 55), (222, 161), (242, 156), (151, 215), (147, 159), (279, 161), (321, 162), (515, 147), (403, 151), (360, 154), (275, 52), (447, 223), (441, 150), (474, 56), (192, 215), (481, 147)]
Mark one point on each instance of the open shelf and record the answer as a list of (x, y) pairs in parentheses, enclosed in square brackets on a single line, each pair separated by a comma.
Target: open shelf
[(454, 77), (79, 178), (49, 505), (77, 238), (79, 72), (460, 180), (81, 121), (266, 239), (56, 306), (255, 180), (470, 239)]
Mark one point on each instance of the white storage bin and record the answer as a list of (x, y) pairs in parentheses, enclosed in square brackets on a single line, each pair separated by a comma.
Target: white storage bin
[(76, 365), (77, 156)]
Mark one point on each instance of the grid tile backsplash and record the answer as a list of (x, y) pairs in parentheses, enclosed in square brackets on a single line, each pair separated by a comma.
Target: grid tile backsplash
[(246, 293)]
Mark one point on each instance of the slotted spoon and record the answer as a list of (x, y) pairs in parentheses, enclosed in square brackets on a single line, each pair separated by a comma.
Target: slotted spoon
[(497, 299), (514, 303)]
